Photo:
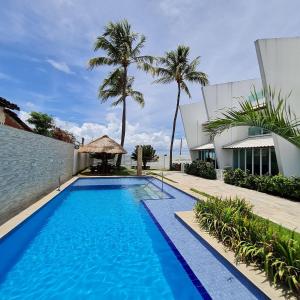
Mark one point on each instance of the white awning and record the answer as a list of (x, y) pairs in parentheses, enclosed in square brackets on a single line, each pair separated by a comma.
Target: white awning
[(208, 146), (252, 142)]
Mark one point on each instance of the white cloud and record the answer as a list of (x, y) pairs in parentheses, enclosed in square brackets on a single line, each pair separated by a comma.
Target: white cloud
[(61, 66), (7, 77), (134, 135)]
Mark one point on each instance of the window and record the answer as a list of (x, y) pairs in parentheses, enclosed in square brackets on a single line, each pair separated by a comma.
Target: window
[(207, 155), (242, 159), (252, 131), (264, 161), (249, 159), (274, 166), (256, 161), (235, 158)]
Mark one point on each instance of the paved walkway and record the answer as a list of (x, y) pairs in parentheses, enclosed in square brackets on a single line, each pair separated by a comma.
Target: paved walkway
[(279, 210)]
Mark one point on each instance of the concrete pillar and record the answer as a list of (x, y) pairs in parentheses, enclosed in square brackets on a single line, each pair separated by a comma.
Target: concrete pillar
[(139, 161)]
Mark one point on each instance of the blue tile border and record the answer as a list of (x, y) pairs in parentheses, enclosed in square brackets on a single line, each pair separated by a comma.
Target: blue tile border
[(201, 289)]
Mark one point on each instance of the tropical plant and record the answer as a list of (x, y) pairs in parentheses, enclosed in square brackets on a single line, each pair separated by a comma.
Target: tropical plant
[(148, 154), (123, 48), (274, 115), (253, 239), (43, 123), (177, 67), (202, 169), (278, 185)]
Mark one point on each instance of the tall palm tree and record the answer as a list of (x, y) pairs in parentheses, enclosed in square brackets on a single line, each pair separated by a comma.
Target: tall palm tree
[(274, 115), (123, 48), (176, 66)]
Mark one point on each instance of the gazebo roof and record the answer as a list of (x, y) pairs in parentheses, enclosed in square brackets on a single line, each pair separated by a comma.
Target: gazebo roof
[(103, 144)]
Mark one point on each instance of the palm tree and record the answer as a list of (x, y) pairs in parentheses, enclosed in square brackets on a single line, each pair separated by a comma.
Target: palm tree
[(112, 88), (274, 115), (176, 66), (123, 48)]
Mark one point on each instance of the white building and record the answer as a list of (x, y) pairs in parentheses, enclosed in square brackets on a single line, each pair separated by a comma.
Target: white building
[(251, 149)]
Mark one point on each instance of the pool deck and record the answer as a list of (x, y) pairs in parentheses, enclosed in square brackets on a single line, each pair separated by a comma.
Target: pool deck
[(219, 278), (279, 210)]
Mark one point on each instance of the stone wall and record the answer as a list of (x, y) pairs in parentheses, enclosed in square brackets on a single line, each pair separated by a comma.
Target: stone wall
[(30, 167)]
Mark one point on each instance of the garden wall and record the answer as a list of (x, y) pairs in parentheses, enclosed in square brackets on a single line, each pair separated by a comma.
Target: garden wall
[(30, 167)]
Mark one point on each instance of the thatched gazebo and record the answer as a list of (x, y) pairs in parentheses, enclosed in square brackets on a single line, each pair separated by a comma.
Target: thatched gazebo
[(103, 148)]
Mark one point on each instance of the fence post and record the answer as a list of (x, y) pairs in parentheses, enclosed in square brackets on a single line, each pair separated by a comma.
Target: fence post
[(139, 160)]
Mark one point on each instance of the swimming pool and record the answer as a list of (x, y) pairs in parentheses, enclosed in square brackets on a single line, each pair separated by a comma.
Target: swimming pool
[(95, 240)]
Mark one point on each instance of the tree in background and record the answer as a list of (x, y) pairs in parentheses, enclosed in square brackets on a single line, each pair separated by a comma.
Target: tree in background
[(42, 123), (176, 66), (123, 49), (148, 154)]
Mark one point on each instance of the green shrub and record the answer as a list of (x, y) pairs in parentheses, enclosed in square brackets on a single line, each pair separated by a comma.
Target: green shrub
[(278, 185), (202, 169), (235, 177), (253, 239)]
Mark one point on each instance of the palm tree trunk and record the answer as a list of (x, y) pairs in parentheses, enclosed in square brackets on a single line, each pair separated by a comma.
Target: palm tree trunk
[(174, 126), (123, 131)]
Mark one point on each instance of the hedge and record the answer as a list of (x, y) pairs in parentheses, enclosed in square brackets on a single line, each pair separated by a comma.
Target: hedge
[(202, 169), (278, 185), (253, 239)]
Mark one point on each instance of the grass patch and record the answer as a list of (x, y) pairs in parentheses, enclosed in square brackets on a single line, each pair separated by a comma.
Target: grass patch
[(200, 193), (279, 229), (123, 171)]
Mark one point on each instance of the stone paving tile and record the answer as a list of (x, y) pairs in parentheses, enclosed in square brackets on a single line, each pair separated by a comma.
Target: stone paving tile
[(220, 280)]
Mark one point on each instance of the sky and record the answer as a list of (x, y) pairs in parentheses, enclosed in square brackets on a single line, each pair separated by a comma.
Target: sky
[(45, 46)]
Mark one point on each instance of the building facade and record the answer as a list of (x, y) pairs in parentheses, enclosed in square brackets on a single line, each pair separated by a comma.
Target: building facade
[(248, 148)]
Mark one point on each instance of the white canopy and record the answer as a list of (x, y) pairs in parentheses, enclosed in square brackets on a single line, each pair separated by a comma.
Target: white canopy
[(252, 142), (208, 146)]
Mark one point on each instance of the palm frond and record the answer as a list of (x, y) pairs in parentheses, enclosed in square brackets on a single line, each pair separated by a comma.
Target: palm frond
[(164, 80), (117, 102), (138, 97), (177, 65), (274, 114), (100, 61), (138, 47), (184, 87)]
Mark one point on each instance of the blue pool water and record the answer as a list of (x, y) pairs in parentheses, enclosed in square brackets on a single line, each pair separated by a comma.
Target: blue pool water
[(92, 243)]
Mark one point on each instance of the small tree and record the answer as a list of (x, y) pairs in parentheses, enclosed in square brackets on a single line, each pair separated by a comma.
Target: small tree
[(43, 123), (148, 154)]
